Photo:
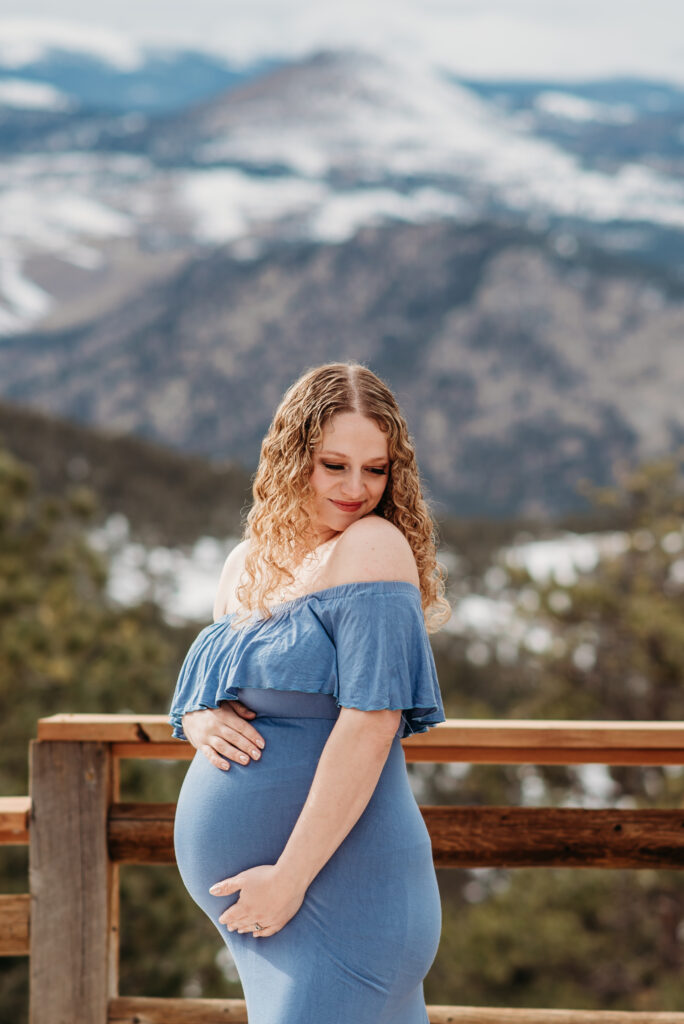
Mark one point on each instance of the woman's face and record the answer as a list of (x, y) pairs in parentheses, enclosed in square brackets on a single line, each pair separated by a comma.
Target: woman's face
[(350, 472)]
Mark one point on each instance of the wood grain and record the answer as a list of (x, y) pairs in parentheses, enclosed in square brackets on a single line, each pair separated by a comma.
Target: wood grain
[(15, 914), (458, 739), (14, 820), (464, 837), (219, 1011), (107, 728), (141, 833), (71, 883), (472, 836), (543, 755)]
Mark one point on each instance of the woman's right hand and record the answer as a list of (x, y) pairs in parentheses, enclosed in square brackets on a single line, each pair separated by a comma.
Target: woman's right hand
[(222, 732)]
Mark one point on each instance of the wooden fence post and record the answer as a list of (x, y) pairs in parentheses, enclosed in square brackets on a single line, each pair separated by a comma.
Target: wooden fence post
[(73, 884)]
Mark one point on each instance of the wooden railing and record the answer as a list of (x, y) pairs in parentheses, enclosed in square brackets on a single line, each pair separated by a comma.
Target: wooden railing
[(80, 832)]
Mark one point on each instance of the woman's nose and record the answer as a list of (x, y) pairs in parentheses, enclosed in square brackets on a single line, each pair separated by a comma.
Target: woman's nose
[(353, 487)]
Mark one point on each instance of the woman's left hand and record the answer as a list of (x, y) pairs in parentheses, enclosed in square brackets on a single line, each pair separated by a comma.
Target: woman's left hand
[(266, 897)]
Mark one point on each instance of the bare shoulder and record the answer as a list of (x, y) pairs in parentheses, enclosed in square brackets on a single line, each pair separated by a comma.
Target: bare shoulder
[(232, 569), (372, 549)]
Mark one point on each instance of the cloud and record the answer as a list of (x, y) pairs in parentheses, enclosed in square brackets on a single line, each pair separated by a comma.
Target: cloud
[(501, 38)]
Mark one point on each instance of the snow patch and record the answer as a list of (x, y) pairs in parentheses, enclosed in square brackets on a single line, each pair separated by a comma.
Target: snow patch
[(226, 204), (55, 204), (182, 581), (575, 108), (343, 214), (24, 298), (26, 95), (563, 558)]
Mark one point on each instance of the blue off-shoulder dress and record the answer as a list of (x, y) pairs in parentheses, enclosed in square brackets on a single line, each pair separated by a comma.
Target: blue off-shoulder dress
[(367, 932)]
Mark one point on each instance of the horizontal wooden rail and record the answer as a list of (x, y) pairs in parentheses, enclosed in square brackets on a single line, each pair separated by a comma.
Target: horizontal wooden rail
[(144, 1010), (80, 833), (14, 925), (458, 739), (14, 820), (466, 837)]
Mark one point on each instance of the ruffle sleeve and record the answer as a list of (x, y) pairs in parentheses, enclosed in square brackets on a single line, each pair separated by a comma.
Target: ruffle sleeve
[(365, 643), (290, 651), (192, 692), (384, 657)]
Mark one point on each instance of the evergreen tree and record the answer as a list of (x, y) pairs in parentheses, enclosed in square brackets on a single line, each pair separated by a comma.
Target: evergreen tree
[(65, 647), (578, 938)]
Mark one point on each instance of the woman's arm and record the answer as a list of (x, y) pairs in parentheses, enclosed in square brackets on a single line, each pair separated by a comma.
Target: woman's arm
[(227, 584), (347, 773)]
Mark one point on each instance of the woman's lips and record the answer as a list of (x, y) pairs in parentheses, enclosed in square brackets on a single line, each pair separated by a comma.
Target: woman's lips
[(347, 506)]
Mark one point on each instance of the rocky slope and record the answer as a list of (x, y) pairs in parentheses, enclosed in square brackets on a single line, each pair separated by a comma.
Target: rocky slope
[(521, 369)]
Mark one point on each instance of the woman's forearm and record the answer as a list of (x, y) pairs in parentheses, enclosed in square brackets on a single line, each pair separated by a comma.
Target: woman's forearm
[(346, 776)]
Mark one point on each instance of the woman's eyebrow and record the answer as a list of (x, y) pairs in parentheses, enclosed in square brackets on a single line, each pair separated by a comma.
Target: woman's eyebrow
[(341, 455)]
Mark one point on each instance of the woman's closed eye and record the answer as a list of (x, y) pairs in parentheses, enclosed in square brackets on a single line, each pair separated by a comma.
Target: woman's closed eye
[(371, 469)]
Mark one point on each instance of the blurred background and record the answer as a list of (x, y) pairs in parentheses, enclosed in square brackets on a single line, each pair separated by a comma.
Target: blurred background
[(484, 203)]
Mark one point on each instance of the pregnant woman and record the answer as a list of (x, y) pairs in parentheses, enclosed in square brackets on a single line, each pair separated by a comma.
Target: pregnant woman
[(298, 835)]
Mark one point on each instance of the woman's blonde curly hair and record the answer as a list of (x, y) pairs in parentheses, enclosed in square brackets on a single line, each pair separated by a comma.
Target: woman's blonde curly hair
[(279, 527)]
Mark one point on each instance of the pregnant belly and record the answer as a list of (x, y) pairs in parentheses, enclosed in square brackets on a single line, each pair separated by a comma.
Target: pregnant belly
[(227, 821), (373, 910)]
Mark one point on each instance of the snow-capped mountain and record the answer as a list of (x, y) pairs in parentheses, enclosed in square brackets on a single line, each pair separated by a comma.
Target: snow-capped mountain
[(364, 121), (311, 150), (508, 255)]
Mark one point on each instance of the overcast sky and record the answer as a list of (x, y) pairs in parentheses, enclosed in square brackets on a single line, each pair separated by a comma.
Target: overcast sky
[(508, 38)]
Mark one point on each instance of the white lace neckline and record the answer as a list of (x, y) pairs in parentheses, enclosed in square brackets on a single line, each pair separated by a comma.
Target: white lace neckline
[(312, 562)]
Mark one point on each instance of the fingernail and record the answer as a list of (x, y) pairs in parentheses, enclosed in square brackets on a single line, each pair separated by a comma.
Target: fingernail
[(255, 753), (215, 890), (260, 743), (243, 757)]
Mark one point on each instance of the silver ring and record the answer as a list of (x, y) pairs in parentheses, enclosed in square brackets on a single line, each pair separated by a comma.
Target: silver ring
[(257, 927)]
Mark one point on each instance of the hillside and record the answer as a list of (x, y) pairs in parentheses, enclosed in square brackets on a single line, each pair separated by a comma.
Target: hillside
[(521, 369), (168, 497)]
